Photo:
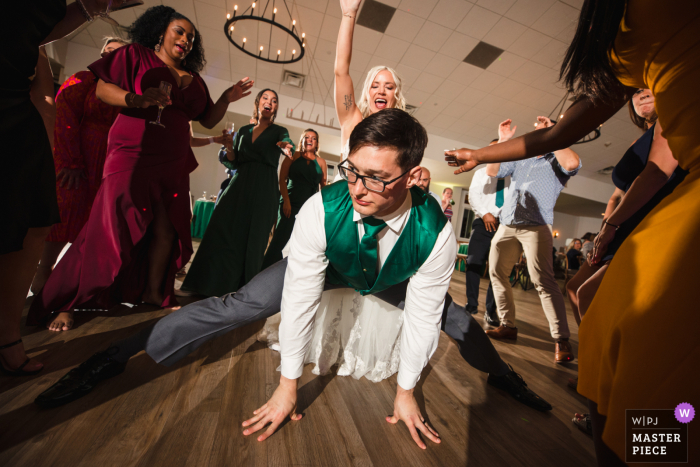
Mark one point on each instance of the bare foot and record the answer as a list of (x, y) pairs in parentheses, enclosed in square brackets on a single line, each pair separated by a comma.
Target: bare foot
[(40, 278), (12, 358), (62, 322)]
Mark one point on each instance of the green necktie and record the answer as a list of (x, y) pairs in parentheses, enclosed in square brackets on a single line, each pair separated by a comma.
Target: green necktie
[(368, 248), (500, 185)]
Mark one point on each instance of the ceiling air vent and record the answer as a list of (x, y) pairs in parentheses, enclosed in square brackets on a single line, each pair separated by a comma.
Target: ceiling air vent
[(607, 170), (295, 80)]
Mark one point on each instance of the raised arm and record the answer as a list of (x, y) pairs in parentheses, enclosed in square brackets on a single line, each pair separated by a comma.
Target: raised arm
[(75, 17), (580, 119), (348, 112), (232, 94)]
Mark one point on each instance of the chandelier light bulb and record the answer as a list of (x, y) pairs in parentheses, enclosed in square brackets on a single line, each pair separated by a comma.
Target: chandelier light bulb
[(231, 28), (294, 22), (228, 15), (275, 11), (261, 47), (303, 35), (279, 52)]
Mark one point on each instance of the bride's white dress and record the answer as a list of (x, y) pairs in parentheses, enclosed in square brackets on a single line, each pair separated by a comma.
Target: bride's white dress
[(358, 334)]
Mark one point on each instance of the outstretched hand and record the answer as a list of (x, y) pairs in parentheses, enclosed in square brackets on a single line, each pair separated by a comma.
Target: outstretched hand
[(406, 409), (283, 403), (350, 6), (462, 158), (286, 148), (238, 90), (505, 132)]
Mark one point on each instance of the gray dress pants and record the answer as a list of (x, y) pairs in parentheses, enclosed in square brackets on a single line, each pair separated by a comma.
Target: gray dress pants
[(183, 331)]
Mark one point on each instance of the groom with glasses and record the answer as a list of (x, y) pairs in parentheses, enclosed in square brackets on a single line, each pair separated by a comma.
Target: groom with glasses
[(383, 236)]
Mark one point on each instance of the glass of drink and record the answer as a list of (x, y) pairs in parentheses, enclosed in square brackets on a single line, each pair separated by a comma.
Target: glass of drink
[(165, 87), (229, 128)]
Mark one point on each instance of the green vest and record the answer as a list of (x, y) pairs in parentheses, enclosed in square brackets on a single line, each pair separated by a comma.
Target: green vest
[(413, 247)]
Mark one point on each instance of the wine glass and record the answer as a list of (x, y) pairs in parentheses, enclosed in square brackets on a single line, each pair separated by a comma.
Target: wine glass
[(165, 87), (229, 128)]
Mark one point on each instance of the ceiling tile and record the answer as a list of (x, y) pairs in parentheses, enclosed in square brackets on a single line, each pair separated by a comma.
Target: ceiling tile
[(217, 3), (318, 5), (465, 73), (458, 46), (432, 36), (487, 81), (428, 83), (214, 39), (470, 97), (392, 3), (309, 21), (508, 88), (450, 13), (478, 22), (365, 39), (126, 17), (271, 71), (404, 26), (578, 4), (528, 11), (209, 15), (529, 97), (329, 29), (333, 9), (497, 6), (378, 61), (455, 111), (567, 35), (375, 15), (434, 130), (483, 55), (506, 64), (417, 56), (551, 55), (360, 60), (557, 18), (407, 74), (436, 103), (442, 65), (391, 48), (421, 8), (84, 38), (325, 51), (529, 43), (549, 82), (218, 59), (219, 73), (425, 115), (415, 96), (450, 89), (529, 72), (504, 33)]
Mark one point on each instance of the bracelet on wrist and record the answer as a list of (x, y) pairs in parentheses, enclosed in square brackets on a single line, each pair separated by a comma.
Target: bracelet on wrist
[(211, 139), (83, 11), (348, 15), (129, 99), (611, 225)]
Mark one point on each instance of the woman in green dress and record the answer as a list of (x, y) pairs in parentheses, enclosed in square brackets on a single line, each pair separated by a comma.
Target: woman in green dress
[(300, 178), (232, 250)]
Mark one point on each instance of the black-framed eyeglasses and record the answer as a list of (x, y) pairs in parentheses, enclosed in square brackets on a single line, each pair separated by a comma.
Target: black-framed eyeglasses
[(371, 183)]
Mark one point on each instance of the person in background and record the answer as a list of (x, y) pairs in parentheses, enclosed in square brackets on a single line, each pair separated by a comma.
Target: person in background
[(587, 244), (300, 178), (424, 184), (573, 254), (526, 226), (486, 197), (28, 177), (232, 250), (80, 148), (229, 172), (447, 203), (138, 233)]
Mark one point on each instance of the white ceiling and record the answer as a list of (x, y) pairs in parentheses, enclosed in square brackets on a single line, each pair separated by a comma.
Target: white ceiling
[(426, 41)]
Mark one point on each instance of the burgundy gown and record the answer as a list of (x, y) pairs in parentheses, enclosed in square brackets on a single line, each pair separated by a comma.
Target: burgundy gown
[(146, 164)]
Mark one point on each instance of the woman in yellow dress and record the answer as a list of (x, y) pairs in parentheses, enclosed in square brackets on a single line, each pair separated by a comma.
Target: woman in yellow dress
[(639, 347)]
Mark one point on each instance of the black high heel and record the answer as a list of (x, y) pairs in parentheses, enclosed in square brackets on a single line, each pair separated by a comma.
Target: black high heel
[(18, 371)]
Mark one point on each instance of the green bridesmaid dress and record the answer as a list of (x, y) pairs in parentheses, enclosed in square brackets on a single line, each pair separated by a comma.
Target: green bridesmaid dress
[(303, 181), (232, 250)]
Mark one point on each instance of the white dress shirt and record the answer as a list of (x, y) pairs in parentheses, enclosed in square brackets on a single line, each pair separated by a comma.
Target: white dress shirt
[(482, 194), (306, 274)]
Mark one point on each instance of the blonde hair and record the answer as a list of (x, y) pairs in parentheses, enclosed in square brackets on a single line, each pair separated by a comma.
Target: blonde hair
[(573, 243), (301, 141), (363, 104), (109, 39)]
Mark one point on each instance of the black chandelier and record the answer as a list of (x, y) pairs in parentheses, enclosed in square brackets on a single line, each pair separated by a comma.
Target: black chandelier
[(592, 136), (258, 50)]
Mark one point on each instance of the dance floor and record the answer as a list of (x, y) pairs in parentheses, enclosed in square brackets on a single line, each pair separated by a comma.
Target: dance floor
[(191, 414)]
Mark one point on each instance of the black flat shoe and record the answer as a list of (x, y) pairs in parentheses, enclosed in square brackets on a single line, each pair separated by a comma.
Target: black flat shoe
[(513, 383), (80, 381), (19, 371), (492, 319), (472, 309)]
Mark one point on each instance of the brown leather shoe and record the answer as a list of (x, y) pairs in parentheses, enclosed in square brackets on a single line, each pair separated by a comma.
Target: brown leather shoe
[(503, 332), (563, 352)]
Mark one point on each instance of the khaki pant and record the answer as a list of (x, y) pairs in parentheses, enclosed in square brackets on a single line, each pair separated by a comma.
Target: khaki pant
[(536, 241)]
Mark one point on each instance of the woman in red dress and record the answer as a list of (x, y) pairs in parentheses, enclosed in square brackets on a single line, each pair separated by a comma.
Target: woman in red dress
[(80, 147), (138, 234)]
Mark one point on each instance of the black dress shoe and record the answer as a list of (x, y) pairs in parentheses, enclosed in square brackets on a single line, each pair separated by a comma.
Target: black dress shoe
[(80, 381), (473, 309), (513, 383)]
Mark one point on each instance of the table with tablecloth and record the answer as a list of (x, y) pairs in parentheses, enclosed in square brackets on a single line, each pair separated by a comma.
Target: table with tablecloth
[(201, 214)]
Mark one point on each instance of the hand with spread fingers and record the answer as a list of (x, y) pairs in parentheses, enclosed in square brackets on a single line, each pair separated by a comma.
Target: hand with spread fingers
[(462, 158), (238, 90), (283, 403), (505, 131), (286, 148), (406, 409)]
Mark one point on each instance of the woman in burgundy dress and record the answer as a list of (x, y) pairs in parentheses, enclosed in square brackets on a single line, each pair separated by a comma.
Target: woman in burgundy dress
[(138, 233), (80, 147)]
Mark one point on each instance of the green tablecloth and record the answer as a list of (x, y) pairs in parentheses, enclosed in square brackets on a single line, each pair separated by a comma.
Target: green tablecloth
[(463, 250), (201, 214)]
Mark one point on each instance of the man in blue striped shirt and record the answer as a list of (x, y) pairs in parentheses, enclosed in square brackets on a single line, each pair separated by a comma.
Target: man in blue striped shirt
[(526, 226)]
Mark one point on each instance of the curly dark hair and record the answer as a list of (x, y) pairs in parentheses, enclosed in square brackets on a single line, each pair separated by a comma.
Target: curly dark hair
[(148, 28)]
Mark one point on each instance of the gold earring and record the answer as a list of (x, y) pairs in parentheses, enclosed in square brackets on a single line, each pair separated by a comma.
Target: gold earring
[(157, 47)]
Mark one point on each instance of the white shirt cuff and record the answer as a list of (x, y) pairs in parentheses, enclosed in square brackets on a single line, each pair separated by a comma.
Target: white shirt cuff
[(406, 379), (293, 367)]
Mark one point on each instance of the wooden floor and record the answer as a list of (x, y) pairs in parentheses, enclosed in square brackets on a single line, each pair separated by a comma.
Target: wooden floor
[(190, 414)]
